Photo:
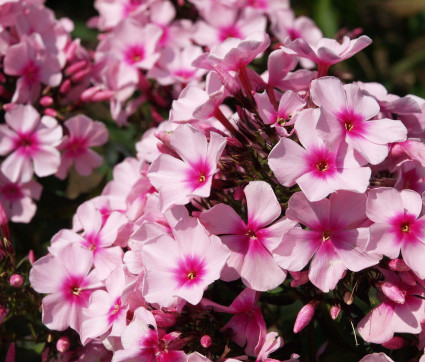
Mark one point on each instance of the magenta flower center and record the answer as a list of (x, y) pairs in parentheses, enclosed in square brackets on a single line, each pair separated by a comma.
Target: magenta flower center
[(230, 31), (11, 192), (405, 227), (322, 166), (190, 270), (251, 234), (76, 147), (31, 73), (73, 290), (191, 275), (294, 34), (326, 235), (134, 54), (353, 123), (184, 73)]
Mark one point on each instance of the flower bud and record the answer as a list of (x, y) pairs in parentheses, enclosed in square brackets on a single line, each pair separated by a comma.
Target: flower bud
[(11, 353), (16, 281), (65, 86), (335, 310), (395, 343), (238, 194), (348, 298), (79, 76), (102, 95), (31, 257), (407, 278), (88, 94), (301, 280), (304, 316), (62, 345), (3, 313), (50, 112), (206, 341), (164, 320), (46, 101), (75, 67), (398, 265)]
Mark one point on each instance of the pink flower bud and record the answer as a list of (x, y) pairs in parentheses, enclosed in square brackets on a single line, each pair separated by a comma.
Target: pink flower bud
[(4, 224), (65, 86), (31, 257), (398, 265), (50, 112), (16, 281), (164, 137), (233, 142), (395, 343), (9, 106), (393, 292), (46, 101), (2, 78), (88, 94), (304, 316), (75, 67), (164, 320), (238, 195), (62, 345), (11, 353), (301, 280), (348, 298), (71, 50), (102, 95), (335, 310), (206, 341), (407, 278), (79, 76), (3, 313)]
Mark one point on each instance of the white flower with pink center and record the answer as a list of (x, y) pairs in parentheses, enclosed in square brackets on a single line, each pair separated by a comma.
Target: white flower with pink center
[(346, 116), (66, 277), (31, 144), (180, 180), (252, 244), (318, 169), (399, 225), (83, 134), (184, 266)]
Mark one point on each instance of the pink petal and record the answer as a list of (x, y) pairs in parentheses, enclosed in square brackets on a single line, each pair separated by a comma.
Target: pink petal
[(376, 327), (413, 251), (383, 203), (222, 219), (46, 161)]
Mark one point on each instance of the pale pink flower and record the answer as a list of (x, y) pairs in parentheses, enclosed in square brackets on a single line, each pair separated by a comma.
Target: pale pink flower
[(252, 244), (272, 342), (193, 261), (335, 239), (141, 341), (248, 325), (394, 314), (107, 310), (398, 226), (17, 198), (66, 277), (34, 65), (31, 142), (346, 116), (82, 134), (180, 180), (318, 169)]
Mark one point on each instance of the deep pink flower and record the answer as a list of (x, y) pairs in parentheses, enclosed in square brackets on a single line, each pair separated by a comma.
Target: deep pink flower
[(31, 142), (66, 277), (252, 244), (179, 180), (398, 226)]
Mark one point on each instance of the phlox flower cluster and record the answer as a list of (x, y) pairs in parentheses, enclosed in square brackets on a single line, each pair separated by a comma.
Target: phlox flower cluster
[(255, 190)]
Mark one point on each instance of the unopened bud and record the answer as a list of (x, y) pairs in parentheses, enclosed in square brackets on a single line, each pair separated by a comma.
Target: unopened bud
[(304, 316), (79, 76), (238, 195), (3, 313), (75, 67), (407, 278), (50, 112), (11, 353), (206, 341), (46, 101), (335, 310), (233, 142), (31, 257), (348, 298), (16, 281), (65, 86), (398, 265), (395, 343), (164, 137), (102, 95), (164, 320), (393, 292), (62, 345), (301, 280), (88, 93)]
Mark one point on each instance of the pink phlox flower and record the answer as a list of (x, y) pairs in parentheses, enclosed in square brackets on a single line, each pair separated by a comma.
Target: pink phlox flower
[(83, 134), (411, 175), (107, 310), (141, 341), (223, 22), (346, 116), (66, 277), (376, 357), (179, 180), (411, 149), (195, 104), (327, 52), (31, 142), (271, 343), (318, 169), (394, 314), (17, 198), (30, 61), (193, 261), (175, 66), (248, 325), (289, 104), (112, 12), (335, 239), (252, 244), (399, 225), (234, 53), (132, 44)]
